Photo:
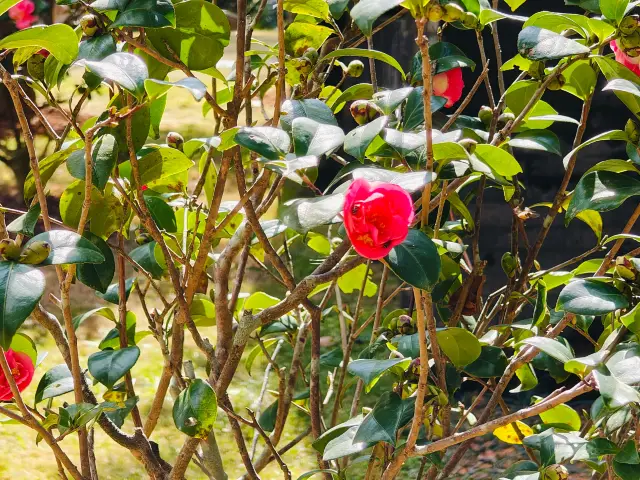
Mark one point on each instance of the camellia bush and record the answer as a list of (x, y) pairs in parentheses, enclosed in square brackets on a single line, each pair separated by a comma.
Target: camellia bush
[(402, 216)]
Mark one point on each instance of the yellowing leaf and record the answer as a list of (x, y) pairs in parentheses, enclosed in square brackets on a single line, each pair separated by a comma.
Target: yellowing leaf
[(508, 434)]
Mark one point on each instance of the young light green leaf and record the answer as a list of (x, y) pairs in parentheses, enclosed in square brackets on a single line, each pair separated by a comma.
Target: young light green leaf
[(360, 52), (59, 39)]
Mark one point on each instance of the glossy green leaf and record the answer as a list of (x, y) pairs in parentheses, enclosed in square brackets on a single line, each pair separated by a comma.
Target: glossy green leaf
[(414, 109), (195, 409), (388, 415), (358, 140), (298, 37), (614, 9), (310, 108), (59, 39), (551, 347), (543, 140), (459, 345), (268, 142), (109, 366), (48, 166), (313, 138), (163, 215), (21, 287), (537, 43), (55, 382), (590, 297), (146, 13), (105, 312), (97, 48), (501, 161), (112, 293), (157, 88), (26, 223), (68, 247), (371, 370), (562, 415), (6, 5), (615, 393), (366, 12), (416, 260), (127, 70), (149, 257), (157, 163), (202, 31), (98, 275), (104, 156), (304, 214)]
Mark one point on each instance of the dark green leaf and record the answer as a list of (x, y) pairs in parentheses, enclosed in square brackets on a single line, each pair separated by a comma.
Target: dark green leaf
[(358, 140), (366, 12), (543, 140), (109, 366), (146, 256), (55, 382), (416, 260), (146, 13), (537, 43), (311, 108), (313, 138), (104, 156), (387, 416), (112, 293), (601, 191), (125, 69), (268, 142), (98, 275), (492, 362), (68, 247), (551, 347), (371, 370), (460, 345), (26, 223), (162, 214), (590, 297), (304, 214), (97, 48)]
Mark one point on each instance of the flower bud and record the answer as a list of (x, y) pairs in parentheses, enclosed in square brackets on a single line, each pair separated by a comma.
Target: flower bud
[(89, 24), (625, 269), (175, 140), (628, 25), (143, 238), (452, 13), (355, 68), (468, 144), (311, 54), (36, 253), (406, 325), (436, 12), (557, 82), (632, 131), (632, 41), (363, 111), (414, 367), (470, 20), (555, 472), (303, 65), (9, 249), (485, 115), (504, 119), (35, 66), (509, 264)]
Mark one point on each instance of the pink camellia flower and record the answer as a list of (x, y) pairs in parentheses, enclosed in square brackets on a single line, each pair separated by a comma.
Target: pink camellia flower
[(632, 63), (22, 369), (449, 85), (376, 216), (22, 14)]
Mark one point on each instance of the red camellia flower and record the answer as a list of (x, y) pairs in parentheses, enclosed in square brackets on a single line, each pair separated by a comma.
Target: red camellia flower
[(449, 85), (22, 370), (632, 63), (377, 217), (22, 14)]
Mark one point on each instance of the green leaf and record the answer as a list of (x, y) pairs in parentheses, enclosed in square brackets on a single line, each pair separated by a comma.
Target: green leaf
[(590, 297), (68, 247), (268, 417), (256, 352), (601, 191), (580, 79), (268, 142), (97, 48), (201, 33), (390, 100), (321, 442), (352, 281), (21, 287), (370, 371), (313, 138), (298, 37), (26, 223), (358, 140), (366, 12), (146, 13), (359, 91), (528, 379), (542, 140), (460, 345), (414, 110), (112, 294), (614, 393), (492, 362), (109, 366), (360, 52), (195, 409), (311, 108), (562, 415), (499, 160), (149, 257), (157, 163), (57, 381), (304, 214), (343, 445), (447, 56), (537, 43), (127, 70), (416, 260), (59, 39), (313, 8), (104, 156), (614, 9), (5, 5), (105, 312), (388, 415), (611, 135), (162, 214), (157, 88), (97, 276), (613, 70), (551, 347), (631, 319)]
